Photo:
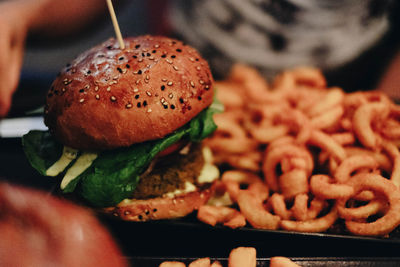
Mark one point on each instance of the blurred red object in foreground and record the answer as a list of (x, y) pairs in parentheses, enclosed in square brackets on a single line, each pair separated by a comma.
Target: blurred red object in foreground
[(37, 229)]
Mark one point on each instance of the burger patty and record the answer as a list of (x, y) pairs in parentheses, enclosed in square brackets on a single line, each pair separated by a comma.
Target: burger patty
[(170, 173)]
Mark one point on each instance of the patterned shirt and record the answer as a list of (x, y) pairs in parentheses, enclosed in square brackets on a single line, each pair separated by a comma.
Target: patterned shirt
[(273, 35)]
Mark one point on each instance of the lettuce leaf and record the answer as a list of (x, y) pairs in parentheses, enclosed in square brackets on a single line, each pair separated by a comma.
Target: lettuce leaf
[(41, 150), (114, 174)]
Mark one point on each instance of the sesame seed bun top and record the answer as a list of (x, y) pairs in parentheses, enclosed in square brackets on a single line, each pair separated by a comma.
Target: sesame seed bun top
[(108, 97)]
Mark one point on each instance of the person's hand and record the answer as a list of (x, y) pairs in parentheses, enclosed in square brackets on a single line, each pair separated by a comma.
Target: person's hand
[(13, 30)]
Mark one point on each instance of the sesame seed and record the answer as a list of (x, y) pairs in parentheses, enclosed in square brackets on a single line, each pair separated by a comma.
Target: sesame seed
[(140, 59), (108, 89), (63, 89), (147, 77), (163, 79), (198, 68), (97, 97), (156, 45), (128, 106), (66, 81), (170, 83), (135, 90), (151, 58), (137, 81), (192, 83), (87, 86), (168, 61), (207, 87), (148, 93), (191, 59), (81, 100), (171, 95), (149, 110), (201, 82), (175, 67), (96, 88), (113, 98)]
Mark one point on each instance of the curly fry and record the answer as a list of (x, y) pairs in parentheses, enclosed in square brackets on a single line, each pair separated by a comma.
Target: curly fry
[(353, 163), (254, 211), (278, 205), (302, 212), (293, 183), (316, 225), (325, 142), (324, 187), (362, 120), (363, 212), (389, 221)]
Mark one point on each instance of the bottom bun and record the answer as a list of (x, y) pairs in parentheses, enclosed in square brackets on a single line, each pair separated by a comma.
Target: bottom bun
[(162, 207)]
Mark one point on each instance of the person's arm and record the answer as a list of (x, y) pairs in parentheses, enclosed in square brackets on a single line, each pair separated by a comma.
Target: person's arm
[(390, 82), (55, 18), (47, 17)]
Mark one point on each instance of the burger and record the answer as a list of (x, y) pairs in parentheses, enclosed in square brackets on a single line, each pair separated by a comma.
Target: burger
[(125, 129), (38, 229)]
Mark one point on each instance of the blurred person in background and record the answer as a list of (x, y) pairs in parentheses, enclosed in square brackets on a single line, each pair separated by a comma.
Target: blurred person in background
[(354, 42)]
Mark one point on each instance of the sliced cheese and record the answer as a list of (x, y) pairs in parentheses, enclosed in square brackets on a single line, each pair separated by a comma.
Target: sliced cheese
[(82, 163), (68, 155)]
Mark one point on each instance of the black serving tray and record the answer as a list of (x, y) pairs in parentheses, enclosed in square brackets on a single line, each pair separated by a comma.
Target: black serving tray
[(264, 262)]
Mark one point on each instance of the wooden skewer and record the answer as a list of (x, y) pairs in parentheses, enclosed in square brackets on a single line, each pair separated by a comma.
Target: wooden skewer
[(115, 24)]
